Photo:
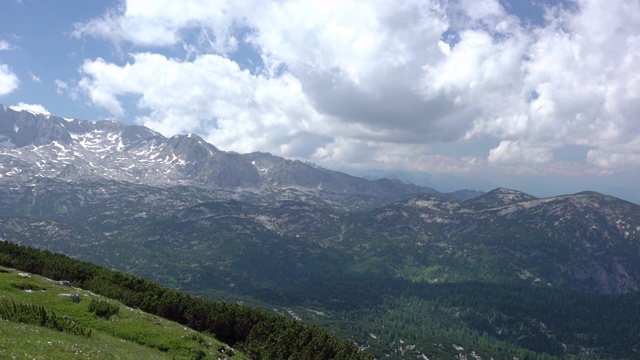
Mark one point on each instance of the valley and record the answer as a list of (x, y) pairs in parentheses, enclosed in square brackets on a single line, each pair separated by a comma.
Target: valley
[(403, 271)]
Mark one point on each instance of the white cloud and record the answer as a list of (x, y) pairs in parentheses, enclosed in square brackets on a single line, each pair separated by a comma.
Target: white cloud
[(37, 108), (5, 45), (361, 154), (581, 75), (514, 152), (356, 77), (362, 70), (35, 78), (613, 159), (160, 22), (8, 80), (64, 87), (210, 95), (482, 10)]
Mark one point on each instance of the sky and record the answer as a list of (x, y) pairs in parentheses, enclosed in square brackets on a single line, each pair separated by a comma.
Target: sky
[(536, 95)]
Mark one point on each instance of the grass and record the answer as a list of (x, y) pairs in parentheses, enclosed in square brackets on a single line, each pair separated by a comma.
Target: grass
[(129, 334)]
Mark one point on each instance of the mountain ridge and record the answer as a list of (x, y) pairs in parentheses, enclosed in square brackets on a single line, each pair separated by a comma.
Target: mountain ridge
[(37, 145)]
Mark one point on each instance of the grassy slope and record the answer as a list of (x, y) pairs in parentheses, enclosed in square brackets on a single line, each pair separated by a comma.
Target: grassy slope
[(126, 335)]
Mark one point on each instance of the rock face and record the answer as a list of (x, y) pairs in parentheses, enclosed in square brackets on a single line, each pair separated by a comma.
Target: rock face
[(19, 129), (35, 145)]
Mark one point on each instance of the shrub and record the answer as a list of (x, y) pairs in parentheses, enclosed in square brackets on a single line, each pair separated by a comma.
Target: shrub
[(103, 308), (27, 286)]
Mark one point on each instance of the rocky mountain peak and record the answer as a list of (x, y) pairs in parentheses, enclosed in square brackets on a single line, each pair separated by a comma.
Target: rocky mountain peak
[(77, 149), (139, 136), (191, 147), (22, 128), (497, 198)]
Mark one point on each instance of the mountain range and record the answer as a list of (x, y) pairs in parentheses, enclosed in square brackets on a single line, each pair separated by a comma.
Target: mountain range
[(35, 145), (304, 240)]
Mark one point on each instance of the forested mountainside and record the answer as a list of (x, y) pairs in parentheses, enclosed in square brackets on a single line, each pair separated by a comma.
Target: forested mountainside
[(401, 270), (500, 274), (193, 239)]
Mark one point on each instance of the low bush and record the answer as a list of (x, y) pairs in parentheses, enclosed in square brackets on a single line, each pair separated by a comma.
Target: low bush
[(103, 308)]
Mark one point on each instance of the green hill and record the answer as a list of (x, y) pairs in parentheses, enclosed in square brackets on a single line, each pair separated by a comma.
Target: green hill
[(41, 320), (104, 310)]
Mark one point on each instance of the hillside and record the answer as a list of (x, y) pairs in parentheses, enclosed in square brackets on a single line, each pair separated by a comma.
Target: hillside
[(257, 333), (585, 241), (128, 331), (401, 320)]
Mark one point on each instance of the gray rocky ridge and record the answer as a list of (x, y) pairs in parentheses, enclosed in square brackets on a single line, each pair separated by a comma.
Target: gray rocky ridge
[(36, 145)]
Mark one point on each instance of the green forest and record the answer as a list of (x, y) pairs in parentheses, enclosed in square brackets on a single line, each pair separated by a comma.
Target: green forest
[(408, 319), (494, 320)]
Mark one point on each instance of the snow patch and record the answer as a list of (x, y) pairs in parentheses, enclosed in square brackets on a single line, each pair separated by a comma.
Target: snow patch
[(13, 171), (60, 146)]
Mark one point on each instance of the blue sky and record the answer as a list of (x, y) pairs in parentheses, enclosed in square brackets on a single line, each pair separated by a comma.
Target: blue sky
[(541, 96)]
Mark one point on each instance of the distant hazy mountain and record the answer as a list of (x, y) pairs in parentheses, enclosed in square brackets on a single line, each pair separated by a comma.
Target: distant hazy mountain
[(540, 185), (442, 182)]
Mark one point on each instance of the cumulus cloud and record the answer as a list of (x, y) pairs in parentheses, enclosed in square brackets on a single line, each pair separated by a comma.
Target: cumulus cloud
[(514, 152), (8, 80), (210, 95), (580, 83), (37, 108), (161, 22), (612, 159), (342, 80)]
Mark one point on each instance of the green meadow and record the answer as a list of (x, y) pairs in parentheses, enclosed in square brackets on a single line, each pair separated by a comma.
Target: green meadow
[(38, 322)]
